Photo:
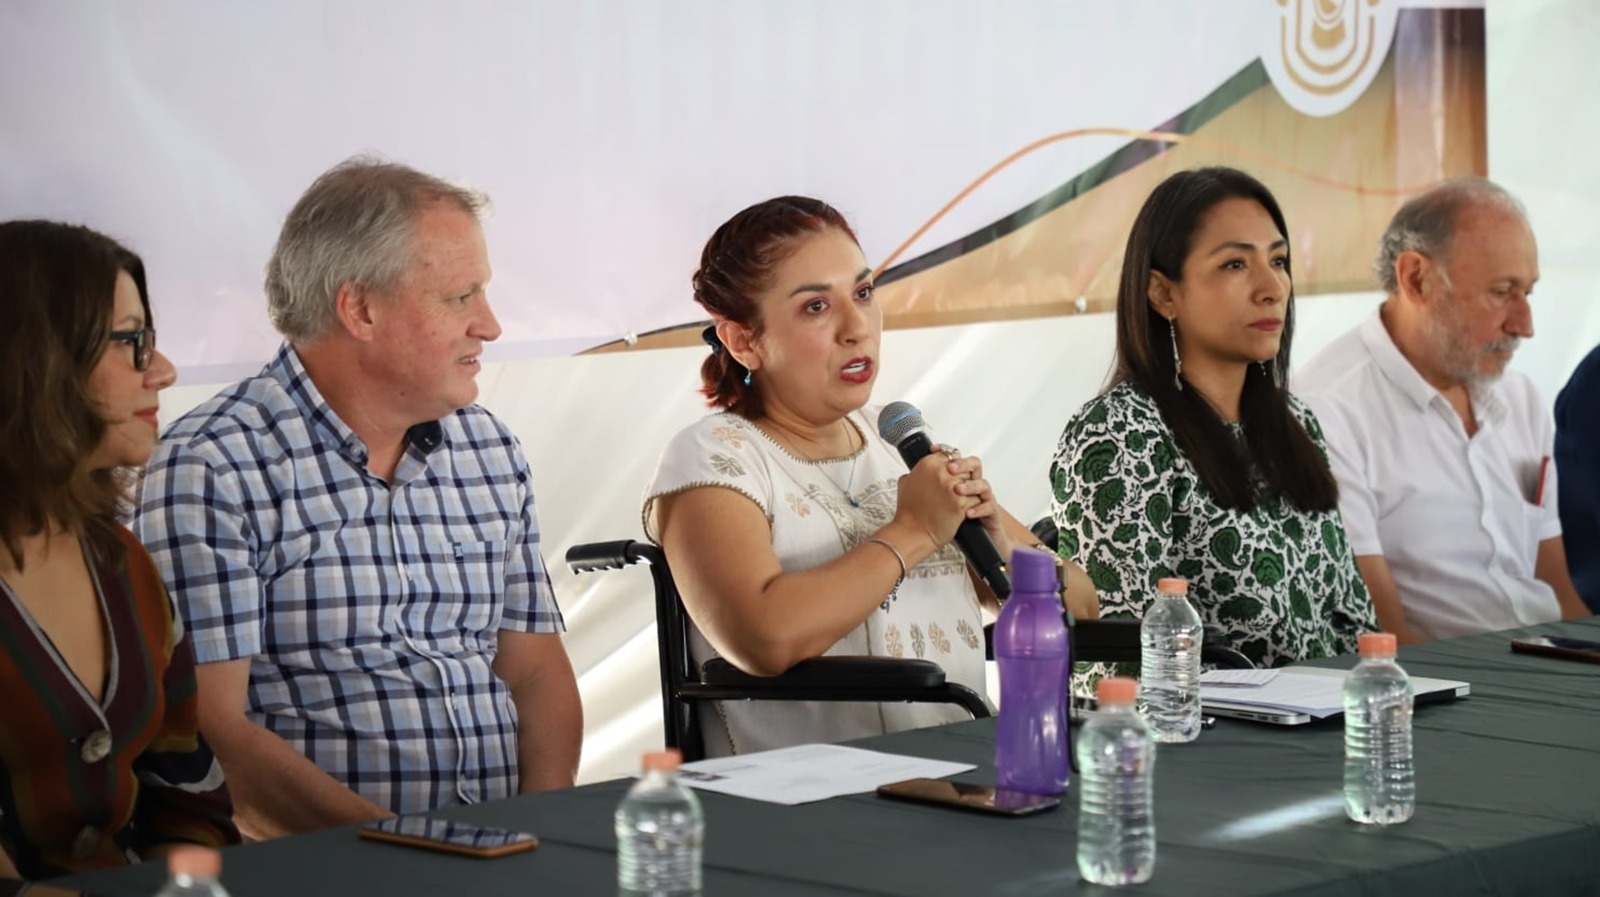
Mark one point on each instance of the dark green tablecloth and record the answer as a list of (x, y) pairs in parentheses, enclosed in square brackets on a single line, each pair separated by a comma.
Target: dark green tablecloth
[(1508, 802)]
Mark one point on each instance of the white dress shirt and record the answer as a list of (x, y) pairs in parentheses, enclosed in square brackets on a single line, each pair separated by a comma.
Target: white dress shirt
[(1459, 518)]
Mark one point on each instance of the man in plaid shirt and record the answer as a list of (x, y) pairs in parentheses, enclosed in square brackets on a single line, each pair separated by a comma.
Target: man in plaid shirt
[(353, 543)]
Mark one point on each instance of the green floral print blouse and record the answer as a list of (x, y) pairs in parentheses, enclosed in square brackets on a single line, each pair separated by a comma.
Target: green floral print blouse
[(1279, 582)]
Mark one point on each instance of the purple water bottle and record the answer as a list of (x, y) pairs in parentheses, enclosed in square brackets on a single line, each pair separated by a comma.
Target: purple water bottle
[(1030, 647)]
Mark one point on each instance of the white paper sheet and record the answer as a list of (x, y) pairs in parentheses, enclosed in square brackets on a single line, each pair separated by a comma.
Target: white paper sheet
[(809, 772), (1237, 678), (1316, 691), (1318, 696)]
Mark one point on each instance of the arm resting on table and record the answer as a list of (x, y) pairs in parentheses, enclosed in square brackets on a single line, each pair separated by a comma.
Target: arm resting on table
[(1551, 568), (1385, 597), (276, 790)]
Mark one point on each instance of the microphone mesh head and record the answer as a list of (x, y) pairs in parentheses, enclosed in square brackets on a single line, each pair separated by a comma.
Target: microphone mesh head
[(898, 420)]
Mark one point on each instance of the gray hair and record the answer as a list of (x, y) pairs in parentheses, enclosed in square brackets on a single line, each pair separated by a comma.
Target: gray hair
[(354, 225), (1427, 222)]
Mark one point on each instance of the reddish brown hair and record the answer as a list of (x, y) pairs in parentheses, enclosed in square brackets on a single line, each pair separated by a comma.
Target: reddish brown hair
[(736, 267)]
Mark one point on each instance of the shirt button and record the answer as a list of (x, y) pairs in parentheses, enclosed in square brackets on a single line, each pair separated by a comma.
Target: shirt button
[(85, 843), (96, 747)]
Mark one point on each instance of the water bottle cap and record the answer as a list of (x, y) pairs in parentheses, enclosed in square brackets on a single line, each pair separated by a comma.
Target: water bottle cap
[(1173, 585), (1033, 570), (1117, 690), (194, 861), (661, 761), (1378, 644)]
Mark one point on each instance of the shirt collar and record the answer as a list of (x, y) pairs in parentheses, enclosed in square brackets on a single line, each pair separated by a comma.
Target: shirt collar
[(287, 369), (1486, 401), (1395, 366)]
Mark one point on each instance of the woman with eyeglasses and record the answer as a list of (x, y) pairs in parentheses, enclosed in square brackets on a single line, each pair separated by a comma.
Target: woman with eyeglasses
[(101, 761)]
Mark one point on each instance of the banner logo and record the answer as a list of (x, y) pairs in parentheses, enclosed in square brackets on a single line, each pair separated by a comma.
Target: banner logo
[(1322, 54)]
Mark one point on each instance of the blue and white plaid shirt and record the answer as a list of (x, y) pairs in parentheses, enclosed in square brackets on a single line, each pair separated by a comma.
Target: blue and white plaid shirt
[(370, 608)]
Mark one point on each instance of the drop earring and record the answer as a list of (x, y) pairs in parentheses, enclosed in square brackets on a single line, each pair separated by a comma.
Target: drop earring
[(747, 376), (1177, 361)]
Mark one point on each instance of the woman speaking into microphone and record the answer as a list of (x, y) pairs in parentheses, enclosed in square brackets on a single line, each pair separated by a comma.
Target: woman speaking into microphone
[(792, 529)]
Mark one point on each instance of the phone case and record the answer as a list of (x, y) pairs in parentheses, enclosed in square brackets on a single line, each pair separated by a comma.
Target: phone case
[(1526, 647), (468, 850), (940, 793)]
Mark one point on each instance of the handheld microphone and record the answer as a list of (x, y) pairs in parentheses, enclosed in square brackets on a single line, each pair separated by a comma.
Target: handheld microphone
[(901, 424)]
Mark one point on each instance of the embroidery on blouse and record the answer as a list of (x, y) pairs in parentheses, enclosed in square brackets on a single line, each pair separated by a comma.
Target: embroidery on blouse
[(891, 641), (726, 466)]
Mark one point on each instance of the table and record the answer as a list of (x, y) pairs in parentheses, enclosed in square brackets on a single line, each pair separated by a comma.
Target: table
[(1508, 802)]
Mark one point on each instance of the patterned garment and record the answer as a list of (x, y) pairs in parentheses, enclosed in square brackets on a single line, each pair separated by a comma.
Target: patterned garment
[(87, 784), (371, 608), (1280, 582), (935, 617)]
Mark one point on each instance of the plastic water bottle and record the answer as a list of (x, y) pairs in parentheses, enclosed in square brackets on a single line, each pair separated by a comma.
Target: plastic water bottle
[(1030, 647), (1380, 784), (1116, 768), (192, 871), (659, 832), (1169, 664)]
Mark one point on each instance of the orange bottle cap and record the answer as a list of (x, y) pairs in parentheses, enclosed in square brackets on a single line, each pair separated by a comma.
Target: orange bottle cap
[(1378, 644), (1173, 585), (1117, 690), (661, 761), (194, 861)]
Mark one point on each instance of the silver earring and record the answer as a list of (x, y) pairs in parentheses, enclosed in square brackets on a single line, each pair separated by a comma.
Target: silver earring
[(747, 376), (1266, 371), (1177, 362)]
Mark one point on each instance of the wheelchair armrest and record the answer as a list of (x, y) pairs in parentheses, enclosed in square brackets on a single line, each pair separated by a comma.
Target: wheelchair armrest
[(832, 673), (1110, 641), (591, 556), (1118, 641)]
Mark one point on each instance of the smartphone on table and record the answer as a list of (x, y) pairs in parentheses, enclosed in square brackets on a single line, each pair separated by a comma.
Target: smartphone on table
[(968, 796), (1558, 646), (462, 838)]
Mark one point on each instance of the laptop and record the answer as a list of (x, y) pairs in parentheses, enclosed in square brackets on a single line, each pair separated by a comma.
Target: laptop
[(1297, 695)]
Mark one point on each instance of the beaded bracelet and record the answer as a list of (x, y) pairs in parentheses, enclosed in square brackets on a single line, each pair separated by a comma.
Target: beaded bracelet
[(895, 591)]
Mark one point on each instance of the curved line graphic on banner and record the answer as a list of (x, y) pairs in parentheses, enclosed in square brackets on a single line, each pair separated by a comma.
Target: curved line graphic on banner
[(1133, 134), (1322, 54)]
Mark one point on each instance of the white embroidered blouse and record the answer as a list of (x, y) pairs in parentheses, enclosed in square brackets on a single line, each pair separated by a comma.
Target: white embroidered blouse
[(808, 504)]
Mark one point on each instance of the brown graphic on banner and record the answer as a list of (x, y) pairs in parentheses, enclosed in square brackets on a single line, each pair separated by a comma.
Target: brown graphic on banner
[(1338, 177)]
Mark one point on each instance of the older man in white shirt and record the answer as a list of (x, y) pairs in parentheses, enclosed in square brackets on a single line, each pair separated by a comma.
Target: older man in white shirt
[(1443, 457)]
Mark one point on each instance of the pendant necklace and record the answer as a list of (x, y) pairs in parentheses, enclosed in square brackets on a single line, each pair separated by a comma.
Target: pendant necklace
[(845, 489)]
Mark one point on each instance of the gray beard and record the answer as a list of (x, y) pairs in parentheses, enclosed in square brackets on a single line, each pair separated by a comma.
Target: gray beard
[(1458, 360)]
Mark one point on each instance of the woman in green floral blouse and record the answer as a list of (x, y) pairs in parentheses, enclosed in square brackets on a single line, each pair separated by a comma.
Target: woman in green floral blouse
[(1196, 461)]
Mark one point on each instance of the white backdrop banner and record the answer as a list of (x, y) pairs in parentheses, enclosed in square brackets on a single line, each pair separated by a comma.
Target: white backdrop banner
[(612, 135)]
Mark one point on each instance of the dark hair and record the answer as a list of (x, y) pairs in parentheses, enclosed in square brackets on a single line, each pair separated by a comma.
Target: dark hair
[(1276, 447), (57, 288), (735, 267)]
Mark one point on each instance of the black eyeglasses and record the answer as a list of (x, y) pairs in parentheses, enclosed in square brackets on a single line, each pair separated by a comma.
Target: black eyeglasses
[(143, 342)]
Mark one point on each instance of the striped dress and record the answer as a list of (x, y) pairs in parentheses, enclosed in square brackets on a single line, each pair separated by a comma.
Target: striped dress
[(85, 785)]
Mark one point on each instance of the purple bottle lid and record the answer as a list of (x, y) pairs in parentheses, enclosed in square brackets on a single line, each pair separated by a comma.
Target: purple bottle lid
[(1033, 571)]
